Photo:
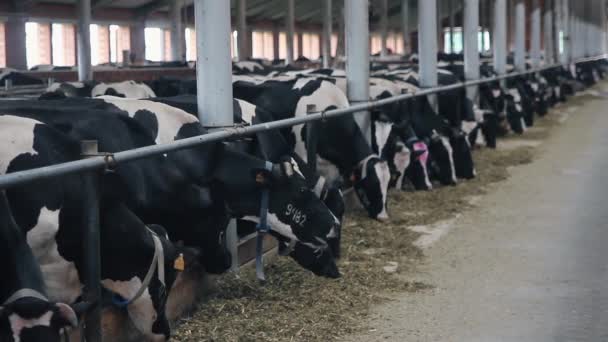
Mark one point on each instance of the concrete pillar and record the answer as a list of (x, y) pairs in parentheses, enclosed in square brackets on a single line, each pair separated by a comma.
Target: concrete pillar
[(439, 21), (290, 19), (327, 32), (384, 27), (549, 37), (427, 45), (16, 53), (85, 70), (566, 29), (357, 58), (276, 46), (138, 40), (499, 39), (520, 35), (471, 45), (405, 26), (178, 41), (214, 78), (535, 45), (243, 33), (300, 45)]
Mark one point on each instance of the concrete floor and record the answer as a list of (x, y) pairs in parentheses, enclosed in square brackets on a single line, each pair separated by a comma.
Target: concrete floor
[(530, 263)]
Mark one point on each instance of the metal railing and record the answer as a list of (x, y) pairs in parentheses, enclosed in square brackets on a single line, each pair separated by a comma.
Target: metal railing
[(94, 161), (112, 159)]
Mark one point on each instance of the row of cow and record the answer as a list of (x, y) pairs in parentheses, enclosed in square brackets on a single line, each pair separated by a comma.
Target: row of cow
[(178, 205)]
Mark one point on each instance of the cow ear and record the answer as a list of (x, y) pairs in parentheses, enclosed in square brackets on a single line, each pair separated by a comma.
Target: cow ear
[(67, 315)]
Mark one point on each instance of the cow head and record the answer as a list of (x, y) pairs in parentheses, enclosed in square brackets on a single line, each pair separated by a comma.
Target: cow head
[(463, 159), (31, 319), (417, 172), (299, 218), (371, 180), (442, 159)]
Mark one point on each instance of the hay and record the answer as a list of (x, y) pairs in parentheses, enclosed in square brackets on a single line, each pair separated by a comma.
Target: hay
[(294, 305)]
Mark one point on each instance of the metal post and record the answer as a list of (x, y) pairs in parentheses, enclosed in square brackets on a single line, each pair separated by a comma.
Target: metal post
[(405, 26), (241, 21), (357, 58), (439, 21), (535, 44), (384, 27), (85, 71), (427, 45), (91, 249), (214, 78), (549, 32), (290, 19), (500, 36), (471, 45), (327, 32), (520, 35), (177, 31)]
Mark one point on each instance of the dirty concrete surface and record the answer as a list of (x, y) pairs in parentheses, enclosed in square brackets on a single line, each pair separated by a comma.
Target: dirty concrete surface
[(530, 262)]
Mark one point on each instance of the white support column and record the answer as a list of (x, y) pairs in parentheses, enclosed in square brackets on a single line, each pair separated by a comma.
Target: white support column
[(327, 32), (16, 55), (549, 33), (567, 31), (499, 41), (427, 45), (243, 33), (290, 20), (604, 27), (405, 26), (535, 44), (520, 35), (178, 41), (85, 70), (357, 58), (471, 45), (214, 78), (384, 27)]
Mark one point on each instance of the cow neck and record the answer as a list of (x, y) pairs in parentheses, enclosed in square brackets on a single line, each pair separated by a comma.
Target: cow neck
[(20, 269)]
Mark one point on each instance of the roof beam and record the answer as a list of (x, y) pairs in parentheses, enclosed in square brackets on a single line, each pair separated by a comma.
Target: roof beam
[(146, 9), (101, 3)]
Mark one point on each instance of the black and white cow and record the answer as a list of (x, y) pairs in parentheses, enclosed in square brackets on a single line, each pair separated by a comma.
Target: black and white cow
[(340, 143), (52, 215), (26, 314), (126, 89), (227, 176), (17, 78)]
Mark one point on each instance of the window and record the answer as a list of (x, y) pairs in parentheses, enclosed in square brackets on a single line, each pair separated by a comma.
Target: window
[(190, 44), (63, 40), (262, 45), (310, 45), (458, 40), (2, 45), (32, 44), (155, 48), (283, 45), (94, 44)]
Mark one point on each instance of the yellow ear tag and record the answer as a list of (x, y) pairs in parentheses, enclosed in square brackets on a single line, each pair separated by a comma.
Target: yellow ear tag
[(180, 264)]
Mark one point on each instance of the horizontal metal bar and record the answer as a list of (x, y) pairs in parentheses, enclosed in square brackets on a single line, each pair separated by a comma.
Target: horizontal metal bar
[(21, 177)]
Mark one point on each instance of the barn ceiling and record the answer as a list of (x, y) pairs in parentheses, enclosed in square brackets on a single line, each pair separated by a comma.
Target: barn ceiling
[(307, 11)]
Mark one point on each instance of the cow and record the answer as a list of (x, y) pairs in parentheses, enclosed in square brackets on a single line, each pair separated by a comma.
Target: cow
[(340, 143), (17, 78), (211, 179), (126, 89), (271, 145), (26, 314), (240, 192), (52, 214)]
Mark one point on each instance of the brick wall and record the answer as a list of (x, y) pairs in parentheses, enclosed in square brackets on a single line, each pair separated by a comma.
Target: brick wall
[(69, 44)]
